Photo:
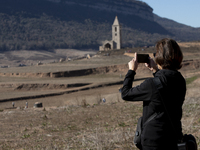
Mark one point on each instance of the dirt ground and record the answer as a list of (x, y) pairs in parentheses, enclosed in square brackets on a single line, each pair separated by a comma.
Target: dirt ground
[(76, 117)]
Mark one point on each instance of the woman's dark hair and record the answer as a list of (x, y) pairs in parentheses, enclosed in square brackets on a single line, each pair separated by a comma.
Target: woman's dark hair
[(168, 54)]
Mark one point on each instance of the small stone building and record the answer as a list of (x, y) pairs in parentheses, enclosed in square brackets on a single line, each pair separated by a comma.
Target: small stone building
[(115, 43)]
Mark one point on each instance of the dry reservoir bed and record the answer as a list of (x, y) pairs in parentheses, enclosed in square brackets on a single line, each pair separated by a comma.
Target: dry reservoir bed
[(80, 119), (84, 121)]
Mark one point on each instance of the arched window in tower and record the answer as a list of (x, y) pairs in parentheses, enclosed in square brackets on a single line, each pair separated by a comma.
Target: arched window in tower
[(115, 29)]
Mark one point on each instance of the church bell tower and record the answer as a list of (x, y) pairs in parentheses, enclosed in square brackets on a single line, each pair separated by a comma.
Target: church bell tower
[(116, 34)]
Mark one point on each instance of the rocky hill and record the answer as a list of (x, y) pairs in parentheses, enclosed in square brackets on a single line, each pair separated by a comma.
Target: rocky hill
[(49, 24)]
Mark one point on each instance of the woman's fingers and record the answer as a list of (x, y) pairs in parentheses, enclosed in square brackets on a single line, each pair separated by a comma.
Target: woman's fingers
[(136, 57)]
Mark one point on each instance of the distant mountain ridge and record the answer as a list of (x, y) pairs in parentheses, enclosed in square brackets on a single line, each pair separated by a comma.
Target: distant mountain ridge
[(49, 24), (183, 32), (127, 7)]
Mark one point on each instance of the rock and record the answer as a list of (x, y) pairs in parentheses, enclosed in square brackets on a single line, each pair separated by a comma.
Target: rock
[(88, 56), (38, 105), (62, 60)]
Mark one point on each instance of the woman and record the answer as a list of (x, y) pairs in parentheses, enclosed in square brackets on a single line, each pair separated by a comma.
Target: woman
[(161, 133)]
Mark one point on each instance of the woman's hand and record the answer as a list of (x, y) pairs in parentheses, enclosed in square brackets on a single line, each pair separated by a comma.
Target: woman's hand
[(133, 64), (152, 65)]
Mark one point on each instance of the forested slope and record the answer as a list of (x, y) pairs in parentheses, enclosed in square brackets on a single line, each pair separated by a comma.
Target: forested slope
[(42, 24)]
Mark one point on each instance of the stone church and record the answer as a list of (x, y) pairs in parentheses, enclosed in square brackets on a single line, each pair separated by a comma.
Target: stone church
[(115, 43)]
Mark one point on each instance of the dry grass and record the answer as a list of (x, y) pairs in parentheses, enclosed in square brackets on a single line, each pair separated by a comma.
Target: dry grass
[(190, 121), (102, 126), (85, 125)]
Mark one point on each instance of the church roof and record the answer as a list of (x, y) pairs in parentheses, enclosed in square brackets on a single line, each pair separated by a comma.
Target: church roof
[(116, 22)]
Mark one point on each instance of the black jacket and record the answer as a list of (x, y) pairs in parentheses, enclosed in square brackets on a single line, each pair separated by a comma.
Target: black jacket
[(159, 131)]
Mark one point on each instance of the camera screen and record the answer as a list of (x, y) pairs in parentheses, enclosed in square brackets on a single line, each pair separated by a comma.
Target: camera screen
[(143, 58)]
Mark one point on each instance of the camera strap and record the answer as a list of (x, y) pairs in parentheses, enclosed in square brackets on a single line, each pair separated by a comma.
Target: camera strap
[(150, 118)]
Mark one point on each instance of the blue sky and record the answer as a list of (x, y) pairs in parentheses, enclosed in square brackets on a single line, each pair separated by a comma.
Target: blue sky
[(182, 11)]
